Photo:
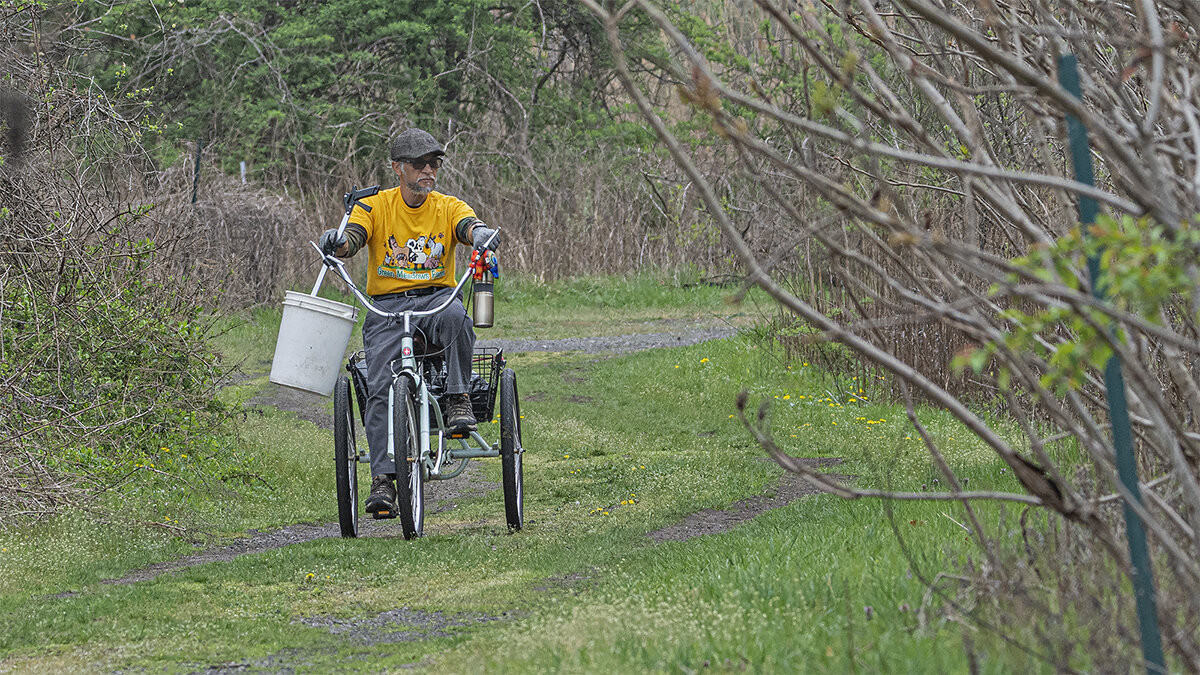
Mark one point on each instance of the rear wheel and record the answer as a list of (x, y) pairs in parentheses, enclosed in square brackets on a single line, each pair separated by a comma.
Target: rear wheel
[(345, 455), (410, 481), (511, 451)]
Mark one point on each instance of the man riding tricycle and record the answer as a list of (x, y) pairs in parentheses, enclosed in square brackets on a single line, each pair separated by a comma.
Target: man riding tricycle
[(421, 386)]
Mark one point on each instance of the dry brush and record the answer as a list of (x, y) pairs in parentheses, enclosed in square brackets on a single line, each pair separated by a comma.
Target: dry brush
[(906, 166)]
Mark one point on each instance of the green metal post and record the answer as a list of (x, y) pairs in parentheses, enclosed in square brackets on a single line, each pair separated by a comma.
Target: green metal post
[(1114, 383)]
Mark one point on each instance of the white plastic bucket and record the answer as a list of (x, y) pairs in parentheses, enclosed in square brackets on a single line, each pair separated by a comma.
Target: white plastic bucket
[(313, 336)]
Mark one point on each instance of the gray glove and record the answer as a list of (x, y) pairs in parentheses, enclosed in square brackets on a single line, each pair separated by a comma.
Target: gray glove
[(331, 241), (481, 234)]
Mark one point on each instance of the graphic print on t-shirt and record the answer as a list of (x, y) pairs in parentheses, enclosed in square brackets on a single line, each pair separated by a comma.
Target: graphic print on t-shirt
[(419, 258)]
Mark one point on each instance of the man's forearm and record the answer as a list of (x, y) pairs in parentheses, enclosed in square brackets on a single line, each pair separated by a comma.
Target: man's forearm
[(462, 231), (356, 236)]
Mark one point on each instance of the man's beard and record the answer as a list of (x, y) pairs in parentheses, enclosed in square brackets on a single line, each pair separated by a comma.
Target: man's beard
[(420, 190)]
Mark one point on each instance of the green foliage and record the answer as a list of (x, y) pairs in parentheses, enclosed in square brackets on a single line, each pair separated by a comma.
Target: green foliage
[(1144, 268), (296, 90), (107, 381), (115, 378)]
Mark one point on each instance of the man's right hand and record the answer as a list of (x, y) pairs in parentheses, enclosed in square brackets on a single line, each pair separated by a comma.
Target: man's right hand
[(331, 242)]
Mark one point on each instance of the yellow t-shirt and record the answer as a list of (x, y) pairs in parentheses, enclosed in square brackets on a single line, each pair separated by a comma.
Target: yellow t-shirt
[(410, 248)]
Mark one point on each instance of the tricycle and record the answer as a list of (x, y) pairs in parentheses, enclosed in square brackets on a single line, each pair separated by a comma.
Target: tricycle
[(423, 448)]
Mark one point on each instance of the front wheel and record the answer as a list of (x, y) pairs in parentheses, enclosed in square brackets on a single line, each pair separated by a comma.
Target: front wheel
[(410, 481), (511, 451), (345, 456)]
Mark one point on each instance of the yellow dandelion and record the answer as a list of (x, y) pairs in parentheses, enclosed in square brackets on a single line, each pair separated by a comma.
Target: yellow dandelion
[(786, 396), (704, 360)]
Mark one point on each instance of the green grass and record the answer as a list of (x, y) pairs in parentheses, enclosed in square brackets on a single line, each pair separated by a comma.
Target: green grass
[(643, 303), (618, 447)]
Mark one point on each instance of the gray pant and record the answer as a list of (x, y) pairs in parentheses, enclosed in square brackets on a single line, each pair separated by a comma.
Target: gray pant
[(450, 328)]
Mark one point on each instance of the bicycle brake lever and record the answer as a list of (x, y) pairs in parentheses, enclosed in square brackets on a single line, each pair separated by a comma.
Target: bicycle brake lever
[(329, 260)]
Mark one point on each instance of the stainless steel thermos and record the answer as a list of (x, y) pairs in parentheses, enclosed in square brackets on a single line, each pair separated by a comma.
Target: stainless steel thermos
[(481, 306)]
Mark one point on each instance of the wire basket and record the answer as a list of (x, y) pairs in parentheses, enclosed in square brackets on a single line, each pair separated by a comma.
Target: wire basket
[(486, 365)]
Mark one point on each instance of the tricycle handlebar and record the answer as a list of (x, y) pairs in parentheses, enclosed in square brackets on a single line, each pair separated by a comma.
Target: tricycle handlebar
[(340, 267)]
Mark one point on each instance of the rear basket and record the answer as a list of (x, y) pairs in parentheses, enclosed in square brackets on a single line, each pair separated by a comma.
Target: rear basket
[(486, 365)]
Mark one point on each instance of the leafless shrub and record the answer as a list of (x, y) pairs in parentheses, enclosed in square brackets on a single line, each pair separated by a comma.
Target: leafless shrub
[(916, 155), (565, 215), (248, 241)]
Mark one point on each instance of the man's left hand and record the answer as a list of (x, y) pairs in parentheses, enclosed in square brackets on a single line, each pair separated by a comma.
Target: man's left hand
[(481, 233)]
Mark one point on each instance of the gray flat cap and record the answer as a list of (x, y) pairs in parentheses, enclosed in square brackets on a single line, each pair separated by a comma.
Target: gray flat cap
[(414, 143)]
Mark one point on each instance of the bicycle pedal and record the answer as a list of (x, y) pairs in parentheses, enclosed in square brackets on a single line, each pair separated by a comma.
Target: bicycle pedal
[(459, 434), (383, 515)]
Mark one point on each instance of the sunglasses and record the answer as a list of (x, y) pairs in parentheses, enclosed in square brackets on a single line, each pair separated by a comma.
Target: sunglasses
[(420, 164)]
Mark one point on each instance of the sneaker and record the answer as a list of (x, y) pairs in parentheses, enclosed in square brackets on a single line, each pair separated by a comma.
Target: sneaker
[(459, 416), (382, 501)]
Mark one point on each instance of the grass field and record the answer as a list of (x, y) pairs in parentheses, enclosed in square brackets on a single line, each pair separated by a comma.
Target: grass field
[(617, 447)]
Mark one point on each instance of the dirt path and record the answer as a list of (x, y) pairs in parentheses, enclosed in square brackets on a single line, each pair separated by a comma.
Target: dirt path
[(619, 344), (711, 521), (440, 496)]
